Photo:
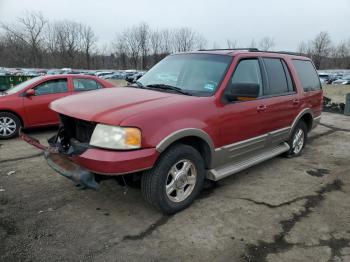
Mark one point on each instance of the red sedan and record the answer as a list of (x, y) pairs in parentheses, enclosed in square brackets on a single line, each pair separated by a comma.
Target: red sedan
[(27, 104)]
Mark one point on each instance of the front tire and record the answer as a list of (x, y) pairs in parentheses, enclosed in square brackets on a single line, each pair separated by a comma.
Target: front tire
[(176, 179), (9, 125), (297, 140)]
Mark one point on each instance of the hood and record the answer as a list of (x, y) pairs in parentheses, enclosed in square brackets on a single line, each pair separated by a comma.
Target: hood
[(113, 105)]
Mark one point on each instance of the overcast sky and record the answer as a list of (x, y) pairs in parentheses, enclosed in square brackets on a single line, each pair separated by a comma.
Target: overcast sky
[(287, 21)]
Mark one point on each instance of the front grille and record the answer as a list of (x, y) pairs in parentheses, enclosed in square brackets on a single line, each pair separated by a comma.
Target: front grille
[(78, 129)]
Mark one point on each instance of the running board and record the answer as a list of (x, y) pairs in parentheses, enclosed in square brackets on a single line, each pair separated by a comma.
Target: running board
[(232, 168)]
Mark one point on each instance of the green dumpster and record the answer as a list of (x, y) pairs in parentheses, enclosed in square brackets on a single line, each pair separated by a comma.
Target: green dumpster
[(9, 81)]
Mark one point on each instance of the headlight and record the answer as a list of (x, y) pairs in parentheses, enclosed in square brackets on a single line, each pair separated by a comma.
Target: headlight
[(115, 137)]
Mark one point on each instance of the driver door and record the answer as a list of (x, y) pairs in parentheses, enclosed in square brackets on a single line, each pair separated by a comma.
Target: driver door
[(242, 121), (36, 107)]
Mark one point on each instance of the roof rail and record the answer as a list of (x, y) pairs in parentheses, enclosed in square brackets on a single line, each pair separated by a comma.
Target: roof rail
[(283, 52), (250, 49)]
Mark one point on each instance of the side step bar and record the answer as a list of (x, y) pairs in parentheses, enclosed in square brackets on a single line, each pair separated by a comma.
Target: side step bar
[(235, 167)]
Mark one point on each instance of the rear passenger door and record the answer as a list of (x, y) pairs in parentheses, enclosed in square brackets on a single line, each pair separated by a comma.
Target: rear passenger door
[(279, 99), (85, 84)]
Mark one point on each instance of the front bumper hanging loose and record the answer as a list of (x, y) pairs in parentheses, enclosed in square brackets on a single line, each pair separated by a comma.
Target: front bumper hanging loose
[(62, 164)]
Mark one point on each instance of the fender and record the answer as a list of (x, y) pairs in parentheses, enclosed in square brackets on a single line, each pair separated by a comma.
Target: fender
[(173, 137), (298, 117)]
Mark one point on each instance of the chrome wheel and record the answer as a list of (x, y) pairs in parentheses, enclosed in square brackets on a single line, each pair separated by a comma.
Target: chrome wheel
[(8, 126), (181, 180), (298, 141)]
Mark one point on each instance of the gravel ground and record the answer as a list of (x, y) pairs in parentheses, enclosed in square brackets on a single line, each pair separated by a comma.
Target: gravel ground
[(294, 209)]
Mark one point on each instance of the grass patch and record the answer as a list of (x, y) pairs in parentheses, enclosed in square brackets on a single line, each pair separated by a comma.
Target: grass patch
[(336, 92)]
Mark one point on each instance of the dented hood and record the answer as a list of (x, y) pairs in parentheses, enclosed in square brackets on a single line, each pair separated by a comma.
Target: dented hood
[(113, 105)]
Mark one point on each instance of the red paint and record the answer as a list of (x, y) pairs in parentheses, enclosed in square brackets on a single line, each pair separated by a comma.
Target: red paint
[(34, 110), (159, 114), (111, 162)]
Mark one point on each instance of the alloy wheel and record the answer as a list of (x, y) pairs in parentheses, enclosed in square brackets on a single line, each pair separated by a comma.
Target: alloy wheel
[(7, 126), (181, 180), (298, 141)]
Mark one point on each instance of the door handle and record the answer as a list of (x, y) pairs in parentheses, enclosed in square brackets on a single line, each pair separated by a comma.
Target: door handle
[(295, 101), (261, 108)]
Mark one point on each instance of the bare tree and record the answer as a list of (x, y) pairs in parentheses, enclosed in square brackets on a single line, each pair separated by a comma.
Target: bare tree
[(321, 47), (156, 42), (88, 41), (29, 31), (341, 54), (184, 39), (143, 37), (231, 44), (253, 44), (266, 43), (201, 42), (167, 41)]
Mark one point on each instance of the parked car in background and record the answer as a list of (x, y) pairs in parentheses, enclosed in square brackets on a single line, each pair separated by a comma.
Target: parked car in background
[(325, 78), (345, 80), (27, 104), (100, 74), (116, 75), (133, 78), (219, 112)]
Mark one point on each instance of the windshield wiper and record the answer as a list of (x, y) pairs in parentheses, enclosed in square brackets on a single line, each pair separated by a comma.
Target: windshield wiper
[(137, 84), (169, 87)]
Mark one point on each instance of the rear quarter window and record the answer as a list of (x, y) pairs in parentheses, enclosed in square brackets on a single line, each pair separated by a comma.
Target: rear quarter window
[(307, 75)]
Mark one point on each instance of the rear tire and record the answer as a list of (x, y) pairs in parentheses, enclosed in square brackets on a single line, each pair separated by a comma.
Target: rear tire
[(176, 179), (9, 125), (297, 140)]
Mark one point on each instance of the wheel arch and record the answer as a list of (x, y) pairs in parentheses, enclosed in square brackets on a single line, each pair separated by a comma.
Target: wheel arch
[(14, 113), (196, 138), (306, 116)]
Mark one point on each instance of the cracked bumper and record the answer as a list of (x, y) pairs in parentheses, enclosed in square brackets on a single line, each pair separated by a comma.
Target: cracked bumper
[(63, 165), (82, 167)]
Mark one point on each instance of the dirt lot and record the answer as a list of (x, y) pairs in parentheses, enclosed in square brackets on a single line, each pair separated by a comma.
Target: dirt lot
[(336, 92), (282, 210)]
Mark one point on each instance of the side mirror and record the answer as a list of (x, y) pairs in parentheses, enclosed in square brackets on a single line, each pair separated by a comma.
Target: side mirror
[(30, 92), (243, 91)]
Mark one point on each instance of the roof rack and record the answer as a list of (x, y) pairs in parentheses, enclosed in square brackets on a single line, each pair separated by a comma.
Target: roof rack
[(282, 52), (250, 49)]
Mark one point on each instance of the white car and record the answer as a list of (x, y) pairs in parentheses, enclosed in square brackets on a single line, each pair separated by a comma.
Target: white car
[(345, 80)]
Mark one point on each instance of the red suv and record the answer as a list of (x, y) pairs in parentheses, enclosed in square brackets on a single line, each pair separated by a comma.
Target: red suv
[(193, 116), (27, 104)]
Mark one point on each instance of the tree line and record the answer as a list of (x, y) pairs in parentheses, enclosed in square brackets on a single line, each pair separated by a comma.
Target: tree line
[(34, 41)]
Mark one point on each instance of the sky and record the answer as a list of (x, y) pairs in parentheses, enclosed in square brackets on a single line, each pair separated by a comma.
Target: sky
[(288, 22)]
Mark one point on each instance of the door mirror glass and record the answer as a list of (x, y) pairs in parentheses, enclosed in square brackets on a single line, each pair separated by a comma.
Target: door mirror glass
[(30, 92), (243, 91)]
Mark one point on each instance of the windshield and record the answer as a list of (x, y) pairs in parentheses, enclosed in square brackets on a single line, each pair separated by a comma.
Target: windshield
[(21, 86), (197, 74)]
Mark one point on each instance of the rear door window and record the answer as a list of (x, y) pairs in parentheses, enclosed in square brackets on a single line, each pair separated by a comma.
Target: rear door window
[(277, 78), (307, 75), (52, 87), (84, 84)]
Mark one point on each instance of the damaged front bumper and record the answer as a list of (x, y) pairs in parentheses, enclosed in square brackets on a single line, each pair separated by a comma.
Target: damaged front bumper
[(62, 164)]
